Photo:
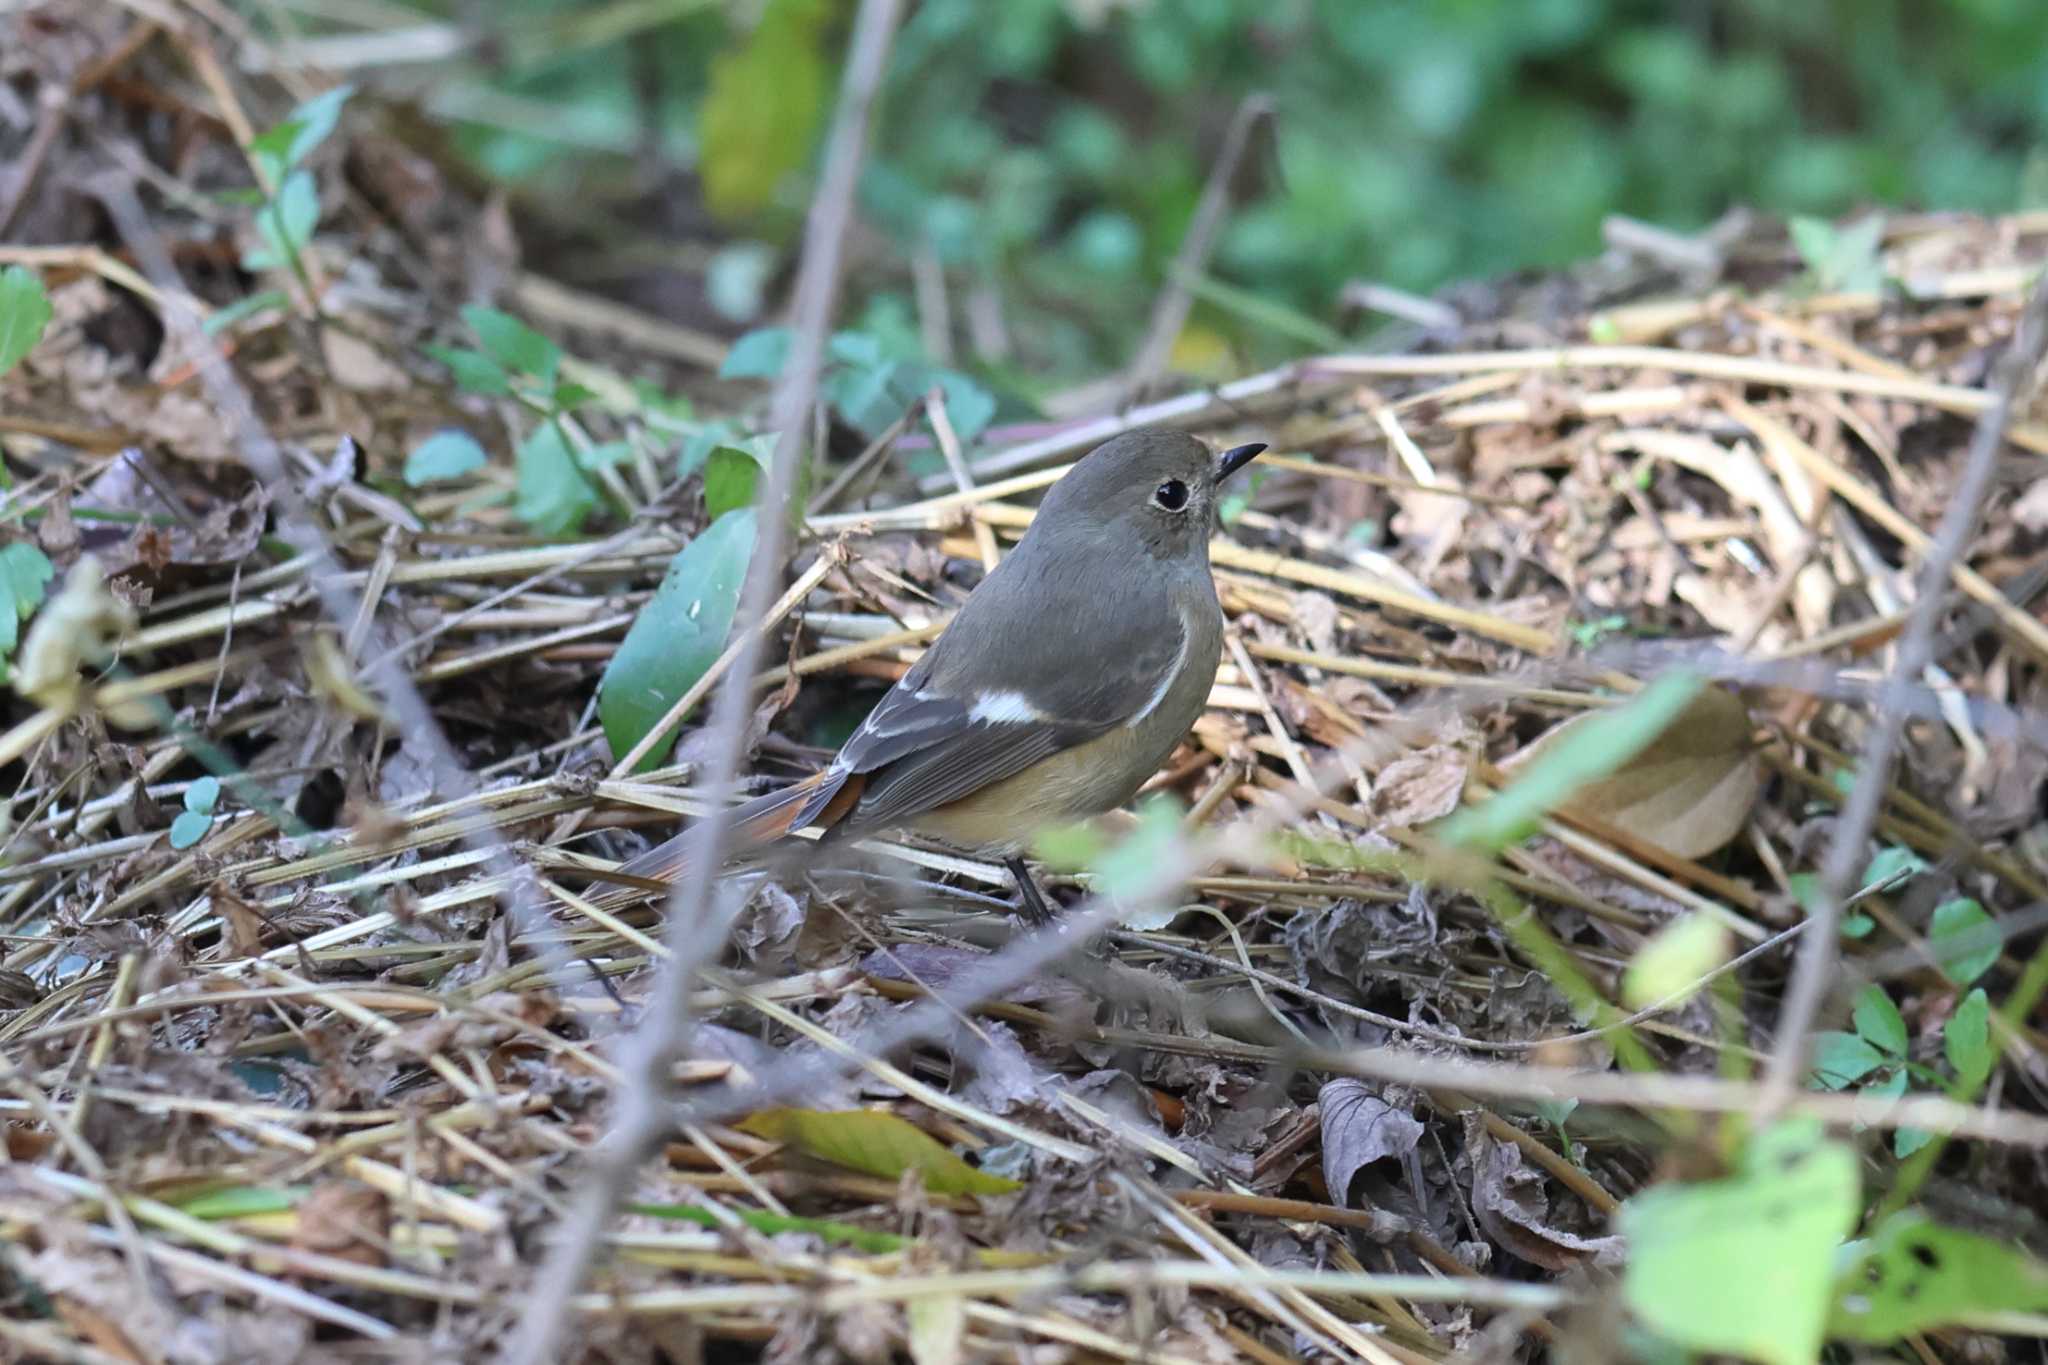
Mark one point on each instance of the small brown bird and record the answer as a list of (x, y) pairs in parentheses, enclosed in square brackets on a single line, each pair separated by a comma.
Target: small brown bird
[(1062, 684)]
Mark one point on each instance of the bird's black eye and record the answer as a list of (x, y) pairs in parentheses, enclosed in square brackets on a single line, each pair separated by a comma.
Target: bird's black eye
[(1172, 495)]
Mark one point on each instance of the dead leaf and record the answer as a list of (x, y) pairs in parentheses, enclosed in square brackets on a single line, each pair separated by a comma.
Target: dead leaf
[(356, 364), (1420, 787), (1689, 791), (1359, 1128), (344, 1219), (1513, 1208)]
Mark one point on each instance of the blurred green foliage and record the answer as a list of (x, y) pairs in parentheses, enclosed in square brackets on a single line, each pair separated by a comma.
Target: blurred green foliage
[(1053, 150)]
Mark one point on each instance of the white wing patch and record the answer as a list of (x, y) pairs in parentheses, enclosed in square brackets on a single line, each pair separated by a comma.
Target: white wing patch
[(1180, 662), (1004, 708)]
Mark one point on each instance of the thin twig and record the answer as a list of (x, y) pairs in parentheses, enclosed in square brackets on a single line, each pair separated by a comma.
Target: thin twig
[(691, 931), (1818, 954), (1170, 312)]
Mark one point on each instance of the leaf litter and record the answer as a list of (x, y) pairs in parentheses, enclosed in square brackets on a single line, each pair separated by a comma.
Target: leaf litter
[(278, 1037)]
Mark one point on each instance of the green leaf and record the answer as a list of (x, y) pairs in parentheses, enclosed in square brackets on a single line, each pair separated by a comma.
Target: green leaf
[(513, 344), (870, 397), (474, 371), (1842, 1059), (605, 454), (306, 127), (189, 828), (569, 396), (1967, 1039), (1892, 865), (1906, 1141), (1744, 1266), (286, 223), (24, 577), (1134, 860), (1914, 1275), (262, 301), (1675, 958), (203, 795), (770, 1224), (877, 1144), (1878, 1020), (445, 455), (241, 1201), (1595, 748), (730, 479), (763, 109), (677, 636), (24, 313), (272, 147), (759, 354), (1964, 940), (554, 496)]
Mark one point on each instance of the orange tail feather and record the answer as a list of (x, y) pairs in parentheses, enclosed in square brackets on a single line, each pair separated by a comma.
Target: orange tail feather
[(823, 798)]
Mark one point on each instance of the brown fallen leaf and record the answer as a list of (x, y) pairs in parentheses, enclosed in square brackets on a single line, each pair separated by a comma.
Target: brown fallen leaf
[(1689, 791), (344, 1219)]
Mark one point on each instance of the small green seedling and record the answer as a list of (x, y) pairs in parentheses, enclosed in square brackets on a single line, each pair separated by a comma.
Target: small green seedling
[(196, 819)]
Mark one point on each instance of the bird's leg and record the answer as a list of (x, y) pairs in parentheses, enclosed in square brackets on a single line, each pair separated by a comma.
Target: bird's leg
[(1031, 901)]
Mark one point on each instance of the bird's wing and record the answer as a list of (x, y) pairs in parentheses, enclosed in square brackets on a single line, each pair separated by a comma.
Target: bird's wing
[(948, 730)]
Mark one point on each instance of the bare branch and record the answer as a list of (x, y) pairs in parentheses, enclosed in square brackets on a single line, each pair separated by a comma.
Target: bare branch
[(692, 932)]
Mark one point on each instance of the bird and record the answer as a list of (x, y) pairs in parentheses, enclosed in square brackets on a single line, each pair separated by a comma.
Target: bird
[(1065, 679)]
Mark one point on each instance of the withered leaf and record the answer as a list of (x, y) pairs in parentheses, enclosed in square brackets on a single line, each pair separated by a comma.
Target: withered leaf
[(1689, 791), (1359, 1128)]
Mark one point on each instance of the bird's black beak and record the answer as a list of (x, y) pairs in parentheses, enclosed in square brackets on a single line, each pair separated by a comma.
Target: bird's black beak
[(1236, 459)]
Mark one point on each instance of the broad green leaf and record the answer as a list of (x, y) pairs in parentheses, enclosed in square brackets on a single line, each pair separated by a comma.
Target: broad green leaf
[(1890, 865), (870, 397), (24, 578), (1589, 752), (1878, 1020), (1914, 1275), (445, 455), (554, 496), (1906, 1141), (306, 127), (203, 795), (286, 223), (1745, 1265), (1134, 860), (569, 395), (189, 828), (474, 371), (1676, 958), (759, 354), (731, 477), (513, 344), (846, 1234), (1964, 939), (763, 109), (969, 407), (272, 148), (24, 313), (1842, 1059), (877, 1144), (1967, 1039), (677, 636)]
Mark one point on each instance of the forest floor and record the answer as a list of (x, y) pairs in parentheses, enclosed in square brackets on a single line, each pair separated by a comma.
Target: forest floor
[(309, 1011)]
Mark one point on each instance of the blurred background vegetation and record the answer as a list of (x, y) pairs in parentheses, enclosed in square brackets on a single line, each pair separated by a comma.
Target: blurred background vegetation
[(1041, 159)]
